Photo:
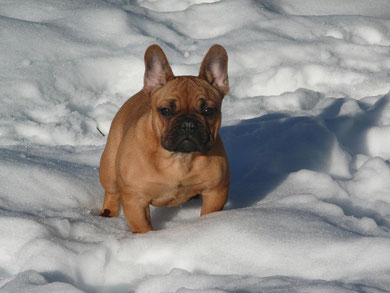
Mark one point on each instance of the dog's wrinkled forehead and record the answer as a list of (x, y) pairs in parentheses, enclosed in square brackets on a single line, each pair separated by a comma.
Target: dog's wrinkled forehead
[(186, 90)]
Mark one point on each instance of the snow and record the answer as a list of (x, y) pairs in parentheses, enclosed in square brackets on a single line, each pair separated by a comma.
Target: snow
[(306, 126)]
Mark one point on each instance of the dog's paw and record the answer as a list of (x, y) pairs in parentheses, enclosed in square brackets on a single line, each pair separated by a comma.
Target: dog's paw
[(105, 213)]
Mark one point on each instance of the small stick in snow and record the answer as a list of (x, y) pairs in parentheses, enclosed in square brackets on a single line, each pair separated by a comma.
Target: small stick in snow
[(97, 127)]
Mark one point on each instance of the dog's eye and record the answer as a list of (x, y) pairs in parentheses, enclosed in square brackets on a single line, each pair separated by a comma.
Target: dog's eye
[(165, 112), (209, 111)]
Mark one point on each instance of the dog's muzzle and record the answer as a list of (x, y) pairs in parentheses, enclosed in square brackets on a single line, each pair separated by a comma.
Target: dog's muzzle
[(186, 135)]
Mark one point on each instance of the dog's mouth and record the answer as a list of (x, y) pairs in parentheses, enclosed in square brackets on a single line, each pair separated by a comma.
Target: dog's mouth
[(192, 137), (186, 144), (189, 145)]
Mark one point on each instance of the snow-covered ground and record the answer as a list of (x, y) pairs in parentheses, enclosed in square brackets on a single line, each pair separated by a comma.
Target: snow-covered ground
[(306, 126)]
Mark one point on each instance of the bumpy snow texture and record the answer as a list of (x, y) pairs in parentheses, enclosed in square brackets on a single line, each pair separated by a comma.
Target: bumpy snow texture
[(306, 126)]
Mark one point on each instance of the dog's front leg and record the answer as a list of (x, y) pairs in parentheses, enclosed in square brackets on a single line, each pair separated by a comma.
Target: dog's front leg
[(137, 213), (214, 200), (111, 205)]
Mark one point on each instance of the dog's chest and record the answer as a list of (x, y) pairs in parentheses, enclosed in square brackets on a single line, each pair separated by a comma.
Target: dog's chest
[(174, 183), (176, 193)]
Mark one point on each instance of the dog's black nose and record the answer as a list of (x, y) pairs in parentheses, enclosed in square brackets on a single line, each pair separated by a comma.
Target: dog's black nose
[(188, 125)]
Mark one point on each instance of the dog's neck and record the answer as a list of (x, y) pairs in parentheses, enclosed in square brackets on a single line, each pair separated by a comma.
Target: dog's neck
[(182, 163), (183, 157)]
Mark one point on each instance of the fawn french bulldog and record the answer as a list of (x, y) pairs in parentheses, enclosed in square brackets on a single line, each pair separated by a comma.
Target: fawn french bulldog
[(163, 147)]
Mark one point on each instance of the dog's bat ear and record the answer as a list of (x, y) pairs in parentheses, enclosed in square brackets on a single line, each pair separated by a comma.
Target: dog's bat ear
[(157, 69), (214, 68)]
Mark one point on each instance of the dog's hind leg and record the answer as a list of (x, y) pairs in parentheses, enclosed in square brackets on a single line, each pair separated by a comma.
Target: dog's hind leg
[(111, 205)]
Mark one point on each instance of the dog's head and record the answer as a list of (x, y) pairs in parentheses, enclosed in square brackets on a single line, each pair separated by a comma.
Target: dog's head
[(186, 110)]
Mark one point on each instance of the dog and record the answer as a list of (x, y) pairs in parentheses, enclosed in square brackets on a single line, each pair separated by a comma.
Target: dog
[(163, 147)]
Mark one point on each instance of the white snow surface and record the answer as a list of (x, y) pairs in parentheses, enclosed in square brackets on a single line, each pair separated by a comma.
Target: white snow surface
[(306, 126)]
